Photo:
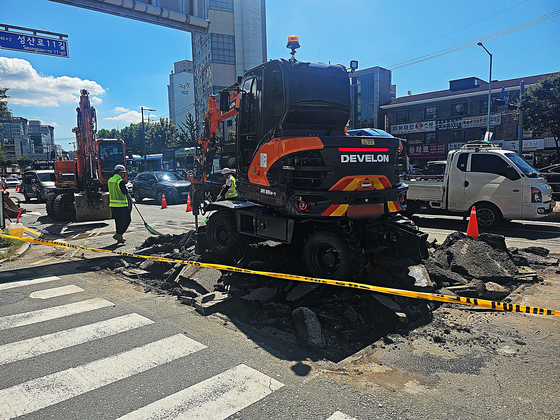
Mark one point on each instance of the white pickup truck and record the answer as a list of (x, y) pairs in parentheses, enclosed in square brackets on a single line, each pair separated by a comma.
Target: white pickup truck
[(499, 183)]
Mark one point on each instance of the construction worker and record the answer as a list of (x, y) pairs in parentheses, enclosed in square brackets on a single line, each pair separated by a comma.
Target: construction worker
[(120, 202), (229, 190)]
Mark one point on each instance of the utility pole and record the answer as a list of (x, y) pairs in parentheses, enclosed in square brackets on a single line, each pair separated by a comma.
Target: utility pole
[(520, 128), (489, 92), (144, 137)]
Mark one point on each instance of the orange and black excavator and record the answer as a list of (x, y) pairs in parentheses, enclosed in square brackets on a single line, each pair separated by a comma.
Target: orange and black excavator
[(300, 178), (82, 191)]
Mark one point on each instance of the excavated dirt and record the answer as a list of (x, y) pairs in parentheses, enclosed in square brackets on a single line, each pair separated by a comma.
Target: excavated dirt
[(337, 322)]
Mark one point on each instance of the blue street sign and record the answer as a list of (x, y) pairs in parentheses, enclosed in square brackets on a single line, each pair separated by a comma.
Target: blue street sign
[(33, 44)]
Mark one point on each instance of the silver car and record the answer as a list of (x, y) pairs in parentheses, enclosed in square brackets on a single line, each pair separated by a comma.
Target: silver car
[(38, 184)]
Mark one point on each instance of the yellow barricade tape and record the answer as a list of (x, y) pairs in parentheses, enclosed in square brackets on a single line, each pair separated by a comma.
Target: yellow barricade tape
[(488, 304)]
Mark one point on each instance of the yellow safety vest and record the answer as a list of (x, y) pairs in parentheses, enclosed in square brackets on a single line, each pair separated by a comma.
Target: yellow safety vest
[(232, 191), (116, 196)]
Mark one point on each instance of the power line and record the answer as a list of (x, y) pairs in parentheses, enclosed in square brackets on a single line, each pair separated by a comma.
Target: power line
[(23, 15), (449, 33), (494, 35)]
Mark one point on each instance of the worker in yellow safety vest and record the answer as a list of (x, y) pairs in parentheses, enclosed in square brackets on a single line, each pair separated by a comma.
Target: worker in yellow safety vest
[(120, 202), (229, 190)]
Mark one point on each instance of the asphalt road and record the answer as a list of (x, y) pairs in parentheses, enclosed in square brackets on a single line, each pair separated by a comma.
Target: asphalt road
[(117, 350)]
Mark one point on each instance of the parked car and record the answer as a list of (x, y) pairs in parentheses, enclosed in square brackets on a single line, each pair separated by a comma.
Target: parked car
[(213, 185), (434, 167), (12, 181), (552, 175), (38, 184), (155, 184)]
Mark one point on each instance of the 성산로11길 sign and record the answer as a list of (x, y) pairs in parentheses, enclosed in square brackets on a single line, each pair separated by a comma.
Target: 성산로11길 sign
[(17, 41)]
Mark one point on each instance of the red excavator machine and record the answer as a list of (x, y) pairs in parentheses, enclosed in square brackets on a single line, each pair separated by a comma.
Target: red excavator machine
[(82, 192), (301, 179)]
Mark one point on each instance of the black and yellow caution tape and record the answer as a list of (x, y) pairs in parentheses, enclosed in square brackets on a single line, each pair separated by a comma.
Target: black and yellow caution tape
[(481, 303)]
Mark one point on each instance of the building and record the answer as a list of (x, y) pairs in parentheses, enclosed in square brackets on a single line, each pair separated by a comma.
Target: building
[(14, 136), (180, 92), (371, 88), (434, 123), (235, 42)]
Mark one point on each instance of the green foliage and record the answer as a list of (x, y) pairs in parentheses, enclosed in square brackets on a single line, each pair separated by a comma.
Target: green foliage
[(3, 102), (113, 133), (24, 161), (160, 135), (541, 107), (188, 132)]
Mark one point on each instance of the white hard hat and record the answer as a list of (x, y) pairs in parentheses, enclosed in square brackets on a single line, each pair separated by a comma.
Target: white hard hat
[(226, 171), (120, 168)]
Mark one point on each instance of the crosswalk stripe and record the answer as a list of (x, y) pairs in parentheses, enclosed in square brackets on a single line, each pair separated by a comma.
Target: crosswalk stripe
[(47, 314), (52, 389), (215, 398), (338, 415), (12, 284), (36, 346), (55, 292)]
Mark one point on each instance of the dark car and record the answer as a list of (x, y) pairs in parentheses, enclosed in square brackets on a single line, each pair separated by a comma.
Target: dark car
[(213, 185), (38, 184), (552, 175), (435, 167), (155, 184)]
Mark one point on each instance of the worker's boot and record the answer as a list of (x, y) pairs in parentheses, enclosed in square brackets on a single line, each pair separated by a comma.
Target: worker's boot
[(119, 238)]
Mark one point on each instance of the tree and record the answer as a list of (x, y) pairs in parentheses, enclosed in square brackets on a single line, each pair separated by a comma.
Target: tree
[(3, 102), (188, 132), (540, 104), (160, 135), (113, 133), (132, 136), (24, 161)]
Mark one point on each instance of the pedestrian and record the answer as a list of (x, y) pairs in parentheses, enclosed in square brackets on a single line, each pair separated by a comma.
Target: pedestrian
[(229, 190), (120, 203)]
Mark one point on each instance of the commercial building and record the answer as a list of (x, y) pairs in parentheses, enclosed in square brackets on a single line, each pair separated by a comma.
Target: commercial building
[(371, 88), (180, 92), (14, 136), (434, 123), (235, 42)]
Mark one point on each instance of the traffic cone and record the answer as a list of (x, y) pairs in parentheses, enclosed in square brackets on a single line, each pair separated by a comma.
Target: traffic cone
[(472, 229), (189, 208), (163, 202), (17, 189)]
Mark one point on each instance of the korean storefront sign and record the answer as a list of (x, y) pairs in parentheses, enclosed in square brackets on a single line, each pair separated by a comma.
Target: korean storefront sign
[(427, 151)]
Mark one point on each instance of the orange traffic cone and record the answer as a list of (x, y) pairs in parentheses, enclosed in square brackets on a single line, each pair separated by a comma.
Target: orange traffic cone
[(17, 189), (472, 229), (189, 208), (163, 202)]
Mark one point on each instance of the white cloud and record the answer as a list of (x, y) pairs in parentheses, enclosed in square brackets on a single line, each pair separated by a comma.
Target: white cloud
[(121, 109), (128, 117), (29, 88)]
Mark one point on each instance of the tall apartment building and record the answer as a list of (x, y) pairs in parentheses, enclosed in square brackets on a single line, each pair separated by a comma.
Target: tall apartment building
[(180, 92), (235, 42), (42, 137), (371, 88)]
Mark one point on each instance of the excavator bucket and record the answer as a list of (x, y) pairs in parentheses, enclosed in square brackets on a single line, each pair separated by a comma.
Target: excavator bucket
[(11, 209), (92, 208)]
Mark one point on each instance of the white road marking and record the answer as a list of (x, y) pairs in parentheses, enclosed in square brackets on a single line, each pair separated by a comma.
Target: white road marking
[(215, 398), (338, 415), (41, 315), (52, 389), (12, 284), (36, 346), (57, 291)]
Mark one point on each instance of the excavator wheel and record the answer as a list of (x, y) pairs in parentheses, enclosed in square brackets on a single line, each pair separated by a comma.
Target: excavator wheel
[(64, 207), (50, 208), (334, 254), (223, 239)]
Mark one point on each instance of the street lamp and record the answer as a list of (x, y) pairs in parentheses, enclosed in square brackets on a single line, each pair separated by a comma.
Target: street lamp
[(144, 136), (489, 90)]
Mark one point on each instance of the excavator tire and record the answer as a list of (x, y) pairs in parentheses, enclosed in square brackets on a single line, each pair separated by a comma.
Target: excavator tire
[(334, 254), (50, 208), (64, 207), (223, 239)]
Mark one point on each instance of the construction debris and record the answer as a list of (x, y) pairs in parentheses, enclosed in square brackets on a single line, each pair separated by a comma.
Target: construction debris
[(334, 321)]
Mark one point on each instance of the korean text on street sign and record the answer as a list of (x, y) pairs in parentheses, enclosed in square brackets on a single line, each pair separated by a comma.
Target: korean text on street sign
[(33, 44)]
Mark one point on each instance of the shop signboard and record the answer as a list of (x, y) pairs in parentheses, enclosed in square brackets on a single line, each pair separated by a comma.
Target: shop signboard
[(481, 121), (427, 151), (413, 127), (448, 124)]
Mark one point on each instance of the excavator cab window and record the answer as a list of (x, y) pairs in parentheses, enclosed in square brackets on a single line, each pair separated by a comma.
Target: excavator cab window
[(111, 153), (248, 118)]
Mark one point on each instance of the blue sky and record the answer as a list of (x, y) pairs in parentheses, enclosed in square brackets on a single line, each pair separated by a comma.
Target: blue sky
[(125, 64)]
